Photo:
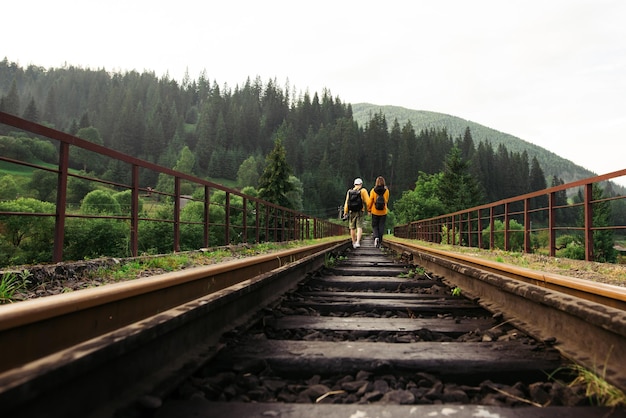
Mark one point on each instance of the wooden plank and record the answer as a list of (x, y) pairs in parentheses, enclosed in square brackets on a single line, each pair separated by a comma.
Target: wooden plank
[(458, 326), (373, 282), (416, 306), (200, 408), (377, 271), (344, 295), (453, 359)]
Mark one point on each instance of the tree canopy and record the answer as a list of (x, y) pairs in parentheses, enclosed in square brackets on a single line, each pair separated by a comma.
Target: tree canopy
[(221, 127)]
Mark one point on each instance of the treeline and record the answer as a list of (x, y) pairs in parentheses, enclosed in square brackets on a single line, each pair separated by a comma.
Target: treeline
[(230, 130)]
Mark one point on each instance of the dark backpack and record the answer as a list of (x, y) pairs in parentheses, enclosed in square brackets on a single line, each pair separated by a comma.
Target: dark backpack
[(379, 203), (355, 203)]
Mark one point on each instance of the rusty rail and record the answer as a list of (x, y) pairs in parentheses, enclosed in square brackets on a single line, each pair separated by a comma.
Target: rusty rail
[(536, 212), (586, 321), (262, 221)]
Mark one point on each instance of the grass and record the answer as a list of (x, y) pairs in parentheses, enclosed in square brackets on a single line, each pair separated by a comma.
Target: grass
[(11, 284), (614, 274), (414, 272), (173, 262), (599, 389), (330, 260)]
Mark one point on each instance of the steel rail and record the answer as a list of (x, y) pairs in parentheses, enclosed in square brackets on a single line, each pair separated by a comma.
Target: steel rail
[(589, 332), (602, 293), (35, 328), (97, 376)]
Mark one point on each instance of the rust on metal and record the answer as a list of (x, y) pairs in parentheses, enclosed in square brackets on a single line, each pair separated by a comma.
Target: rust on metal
[(589, 332), (35, 328)]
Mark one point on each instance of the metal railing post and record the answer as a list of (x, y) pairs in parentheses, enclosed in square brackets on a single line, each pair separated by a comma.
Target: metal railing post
[(552, 224), (492, 227), (61, 201), (527, 224), (177, 214), (134, 212), (588, 205), (227, 219), (507, 221), (206, 215)]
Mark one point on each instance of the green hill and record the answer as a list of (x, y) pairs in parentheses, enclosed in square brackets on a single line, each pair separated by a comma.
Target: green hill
[(551, 164)]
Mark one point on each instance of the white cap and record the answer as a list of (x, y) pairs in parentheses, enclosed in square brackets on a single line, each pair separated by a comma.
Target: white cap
[(358, 181)]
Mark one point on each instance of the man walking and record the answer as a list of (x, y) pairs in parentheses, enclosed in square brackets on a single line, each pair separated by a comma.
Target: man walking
[(357, 199)]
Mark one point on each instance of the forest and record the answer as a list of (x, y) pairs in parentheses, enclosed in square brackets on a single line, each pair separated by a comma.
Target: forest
[(230, 130), (155, 118)]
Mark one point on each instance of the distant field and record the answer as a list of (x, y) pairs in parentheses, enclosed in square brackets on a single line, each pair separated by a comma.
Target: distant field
[(16, 170)]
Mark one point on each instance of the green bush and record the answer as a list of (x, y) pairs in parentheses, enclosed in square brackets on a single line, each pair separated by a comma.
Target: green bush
[(93, 238), (516, 235), (26, 239), (192, 236), (124, 199), (100, 202), (157, 237), (9, 189), (570, 246)]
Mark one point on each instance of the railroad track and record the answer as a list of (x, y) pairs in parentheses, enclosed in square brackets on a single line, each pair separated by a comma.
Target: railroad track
[(299, 339), (373, 337)]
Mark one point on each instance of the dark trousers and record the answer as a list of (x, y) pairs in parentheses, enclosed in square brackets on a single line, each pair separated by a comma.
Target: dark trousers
[(378, 226)]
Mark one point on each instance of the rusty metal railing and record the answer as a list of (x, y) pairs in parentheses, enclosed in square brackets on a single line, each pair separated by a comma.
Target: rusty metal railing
[(259, 220), (535, 213)]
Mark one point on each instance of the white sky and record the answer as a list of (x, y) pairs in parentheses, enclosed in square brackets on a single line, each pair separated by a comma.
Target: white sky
[(552, 72)]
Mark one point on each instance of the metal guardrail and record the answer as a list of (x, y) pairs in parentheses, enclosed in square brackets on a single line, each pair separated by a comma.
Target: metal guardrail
[(466, 227), (260, 220)]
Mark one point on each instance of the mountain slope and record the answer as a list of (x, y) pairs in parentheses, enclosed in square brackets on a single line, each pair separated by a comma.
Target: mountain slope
[(551, 164)]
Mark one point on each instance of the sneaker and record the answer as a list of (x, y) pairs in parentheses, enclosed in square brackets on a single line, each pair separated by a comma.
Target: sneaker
[(357, 245), (376, 243), (354, 245)]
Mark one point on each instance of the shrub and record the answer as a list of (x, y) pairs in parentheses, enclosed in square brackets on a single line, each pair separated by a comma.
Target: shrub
[(26, 239), (100, 202), (516, 235)]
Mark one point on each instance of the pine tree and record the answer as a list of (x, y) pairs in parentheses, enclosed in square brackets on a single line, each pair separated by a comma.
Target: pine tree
[(390, 154), (50, 109), (274, 183), (458, 189), (11, 102), (405, 172), (84, 121), (375, 137), (86, 159), (537, 181), (467, 145), (347, 132), (31, 112)]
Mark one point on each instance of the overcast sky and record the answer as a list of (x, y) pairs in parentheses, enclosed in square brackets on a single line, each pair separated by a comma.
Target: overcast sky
[(551, 72)]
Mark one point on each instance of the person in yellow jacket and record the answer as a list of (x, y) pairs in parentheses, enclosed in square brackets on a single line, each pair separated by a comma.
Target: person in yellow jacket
[(377, 206), (355, 215)]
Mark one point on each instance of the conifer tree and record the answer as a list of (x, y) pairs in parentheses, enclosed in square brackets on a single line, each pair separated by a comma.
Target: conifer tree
[(31, 112), (458, 189), (11, 102), (274, 183), (86, 159), (537, 182), (390, 154), (50, 109), (405, 172)]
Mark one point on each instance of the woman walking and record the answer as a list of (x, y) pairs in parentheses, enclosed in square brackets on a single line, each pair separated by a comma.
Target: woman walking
[(377, 206)]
